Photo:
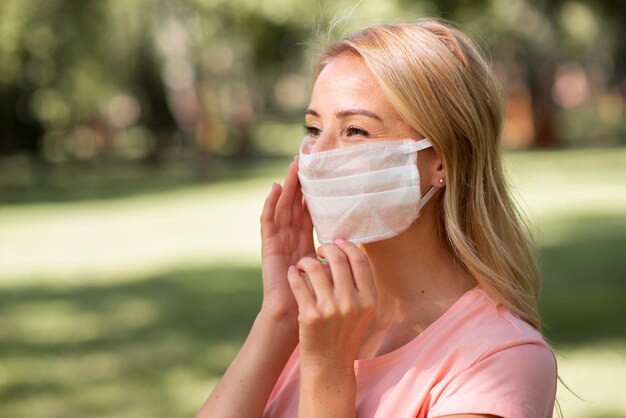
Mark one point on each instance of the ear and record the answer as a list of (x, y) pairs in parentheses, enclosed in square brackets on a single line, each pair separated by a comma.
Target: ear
[(439, 171), (431, 168)]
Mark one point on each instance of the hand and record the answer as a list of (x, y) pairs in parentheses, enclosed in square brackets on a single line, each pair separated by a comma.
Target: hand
[(334, 317), (286, 237)]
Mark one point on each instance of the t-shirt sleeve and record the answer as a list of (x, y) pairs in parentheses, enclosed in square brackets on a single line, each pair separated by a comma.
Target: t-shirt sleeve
[(516, 382)]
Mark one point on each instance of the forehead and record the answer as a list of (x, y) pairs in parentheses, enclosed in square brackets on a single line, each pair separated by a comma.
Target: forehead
[(347, 82)]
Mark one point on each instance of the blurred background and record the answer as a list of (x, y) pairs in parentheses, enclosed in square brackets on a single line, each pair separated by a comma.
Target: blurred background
[(138, 140)]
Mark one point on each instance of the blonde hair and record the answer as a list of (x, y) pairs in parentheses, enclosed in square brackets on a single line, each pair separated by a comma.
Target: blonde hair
[(438, 81)]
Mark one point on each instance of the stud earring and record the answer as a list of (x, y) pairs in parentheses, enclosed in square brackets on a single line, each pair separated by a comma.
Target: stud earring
[(440, 180)]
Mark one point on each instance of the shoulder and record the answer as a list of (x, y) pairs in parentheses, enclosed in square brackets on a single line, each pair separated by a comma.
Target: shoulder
[(518, 381), (492, 334), (482, 323), (504, 366)]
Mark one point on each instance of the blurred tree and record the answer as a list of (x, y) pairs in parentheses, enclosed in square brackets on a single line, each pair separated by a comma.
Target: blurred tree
[(143, 78)]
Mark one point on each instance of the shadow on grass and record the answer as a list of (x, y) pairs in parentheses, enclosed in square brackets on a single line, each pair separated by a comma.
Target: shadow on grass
[(27, 182), (584, 280), (154, 346), (155, 343)]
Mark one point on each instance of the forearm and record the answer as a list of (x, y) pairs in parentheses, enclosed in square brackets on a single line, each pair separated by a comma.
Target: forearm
[(245, 388), (327, 393)]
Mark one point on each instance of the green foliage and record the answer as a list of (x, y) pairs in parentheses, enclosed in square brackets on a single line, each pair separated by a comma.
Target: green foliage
[(80, 79)]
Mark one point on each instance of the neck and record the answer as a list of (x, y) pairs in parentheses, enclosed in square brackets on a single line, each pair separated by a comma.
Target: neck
[(416, 275)]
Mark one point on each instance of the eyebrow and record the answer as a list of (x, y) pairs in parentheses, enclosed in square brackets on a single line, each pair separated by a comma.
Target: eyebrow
[(348, 112)]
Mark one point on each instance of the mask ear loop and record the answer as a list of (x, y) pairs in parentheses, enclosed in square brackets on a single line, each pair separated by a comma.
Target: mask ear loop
[(428, 195), (418, 146), (421, 144)]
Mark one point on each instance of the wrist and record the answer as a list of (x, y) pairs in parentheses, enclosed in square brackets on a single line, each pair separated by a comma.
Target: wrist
[(324, 389), (314, 368), (279, 313), (282, 323), (329, 361)]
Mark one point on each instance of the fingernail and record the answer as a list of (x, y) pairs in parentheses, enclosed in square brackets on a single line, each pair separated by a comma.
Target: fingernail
[(339, 241), (292, 269)]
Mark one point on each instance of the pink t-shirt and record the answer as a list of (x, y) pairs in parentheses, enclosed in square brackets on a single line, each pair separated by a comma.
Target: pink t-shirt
[(477, 358)]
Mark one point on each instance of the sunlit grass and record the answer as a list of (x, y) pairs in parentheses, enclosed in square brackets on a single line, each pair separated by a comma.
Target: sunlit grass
[(218, 222), (124, 237), (595, 373), (552, 184), (133, 304)]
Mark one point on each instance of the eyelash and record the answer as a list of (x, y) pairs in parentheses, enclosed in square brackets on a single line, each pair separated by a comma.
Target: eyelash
[(311, 130), (348, 131)]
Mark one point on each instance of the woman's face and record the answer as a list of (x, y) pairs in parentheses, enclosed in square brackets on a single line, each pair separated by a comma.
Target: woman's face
[(348, 107)]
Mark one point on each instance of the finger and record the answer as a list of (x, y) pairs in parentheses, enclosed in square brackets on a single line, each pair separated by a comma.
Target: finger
[(298, 198), (342, 276), (299, 289), (322, 284), (269, 209), (285, 202), (297, 209), (361, 269), (327, 269), (328, 272), (309, 286), (307, 221)]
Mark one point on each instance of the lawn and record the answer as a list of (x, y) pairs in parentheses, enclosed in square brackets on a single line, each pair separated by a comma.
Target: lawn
[(127, 294)]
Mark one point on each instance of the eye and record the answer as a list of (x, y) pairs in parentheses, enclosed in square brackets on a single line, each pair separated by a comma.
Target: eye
[(312, 130), (353, 131)]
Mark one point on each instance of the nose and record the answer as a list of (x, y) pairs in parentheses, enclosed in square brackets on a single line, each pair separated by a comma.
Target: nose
[(324, 142)]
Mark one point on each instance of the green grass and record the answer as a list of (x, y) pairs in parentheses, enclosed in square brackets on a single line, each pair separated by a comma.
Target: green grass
[(151, 347), (584, 290), (126, 293)]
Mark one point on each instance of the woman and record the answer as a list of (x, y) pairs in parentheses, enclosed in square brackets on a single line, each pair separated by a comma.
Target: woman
[(435, 312)]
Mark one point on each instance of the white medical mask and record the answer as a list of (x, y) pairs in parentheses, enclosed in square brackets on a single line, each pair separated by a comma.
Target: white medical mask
[(362, 193)]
